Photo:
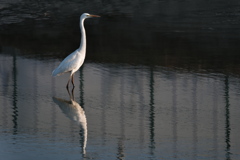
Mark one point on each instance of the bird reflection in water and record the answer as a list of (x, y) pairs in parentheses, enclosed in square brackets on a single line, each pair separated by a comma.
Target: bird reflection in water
[(75, 112)]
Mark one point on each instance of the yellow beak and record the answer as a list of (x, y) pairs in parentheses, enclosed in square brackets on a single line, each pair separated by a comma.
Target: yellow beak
[(91, 15)]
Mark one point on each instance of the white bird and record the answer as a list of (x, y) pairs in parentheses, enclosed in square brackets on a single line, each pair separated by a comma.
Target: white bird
[(75, 60)]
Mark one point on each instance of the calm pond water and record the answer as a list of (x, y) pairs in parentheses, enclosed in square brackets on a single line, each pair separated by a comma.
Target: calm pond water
[(160, 80)]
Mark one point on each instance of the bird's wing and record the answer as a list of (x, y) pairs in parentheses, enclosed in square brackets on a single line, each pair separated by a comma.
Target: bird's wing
[(68, 64)]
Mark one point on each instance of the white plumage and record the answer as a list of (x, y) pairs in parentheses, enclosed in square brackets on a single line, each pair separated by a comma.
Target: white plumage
[(75, 60)]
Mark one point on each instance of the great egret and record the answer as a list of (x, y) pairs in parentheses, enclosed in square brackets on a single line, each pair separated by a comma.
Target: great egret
[(75, 60)]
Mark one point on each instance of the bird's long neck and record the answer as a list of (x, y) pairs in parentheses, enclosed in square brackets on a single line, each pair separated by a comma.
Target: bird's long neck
[(83, 42)]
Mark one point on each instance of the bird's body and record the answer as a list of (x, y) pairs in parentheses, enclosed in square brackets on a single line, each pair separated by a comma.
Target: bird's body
[(71, 63), (75, 60)]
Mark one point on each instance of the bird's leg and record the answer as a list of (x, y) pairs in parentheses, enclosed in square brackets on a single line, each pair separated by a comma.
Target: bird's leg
[(73, 93), (68, 83), (72, 81), (68, 92)]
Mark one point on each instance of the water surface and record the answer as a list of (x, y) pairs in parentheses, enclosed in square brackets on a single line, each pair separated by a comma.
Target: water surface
[(160, 81)]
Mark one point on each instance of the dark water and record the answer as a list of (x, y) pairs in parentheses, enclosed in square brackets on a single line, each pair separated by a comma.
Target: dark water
[(160, 80)]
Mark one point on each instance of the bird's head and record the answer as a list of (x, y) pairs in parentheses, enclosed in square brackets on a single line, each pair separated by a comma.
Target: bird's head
[(87, 15)]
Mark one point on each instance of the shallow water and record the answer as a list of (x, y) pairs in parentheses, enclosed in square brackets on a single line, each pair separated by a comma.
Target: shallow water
[(163, 84)]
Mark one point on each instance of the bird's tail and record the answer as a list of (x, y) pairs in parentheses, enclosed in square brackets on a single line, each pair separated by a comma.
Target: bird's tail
[(55, 73)]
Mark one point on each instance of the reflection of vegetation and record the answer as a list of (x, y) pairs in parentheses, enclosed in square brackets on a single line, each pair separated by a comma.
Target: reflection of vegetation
[(15, 106), (152, 113), (227, 123), (125, 33), (170, 52)]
